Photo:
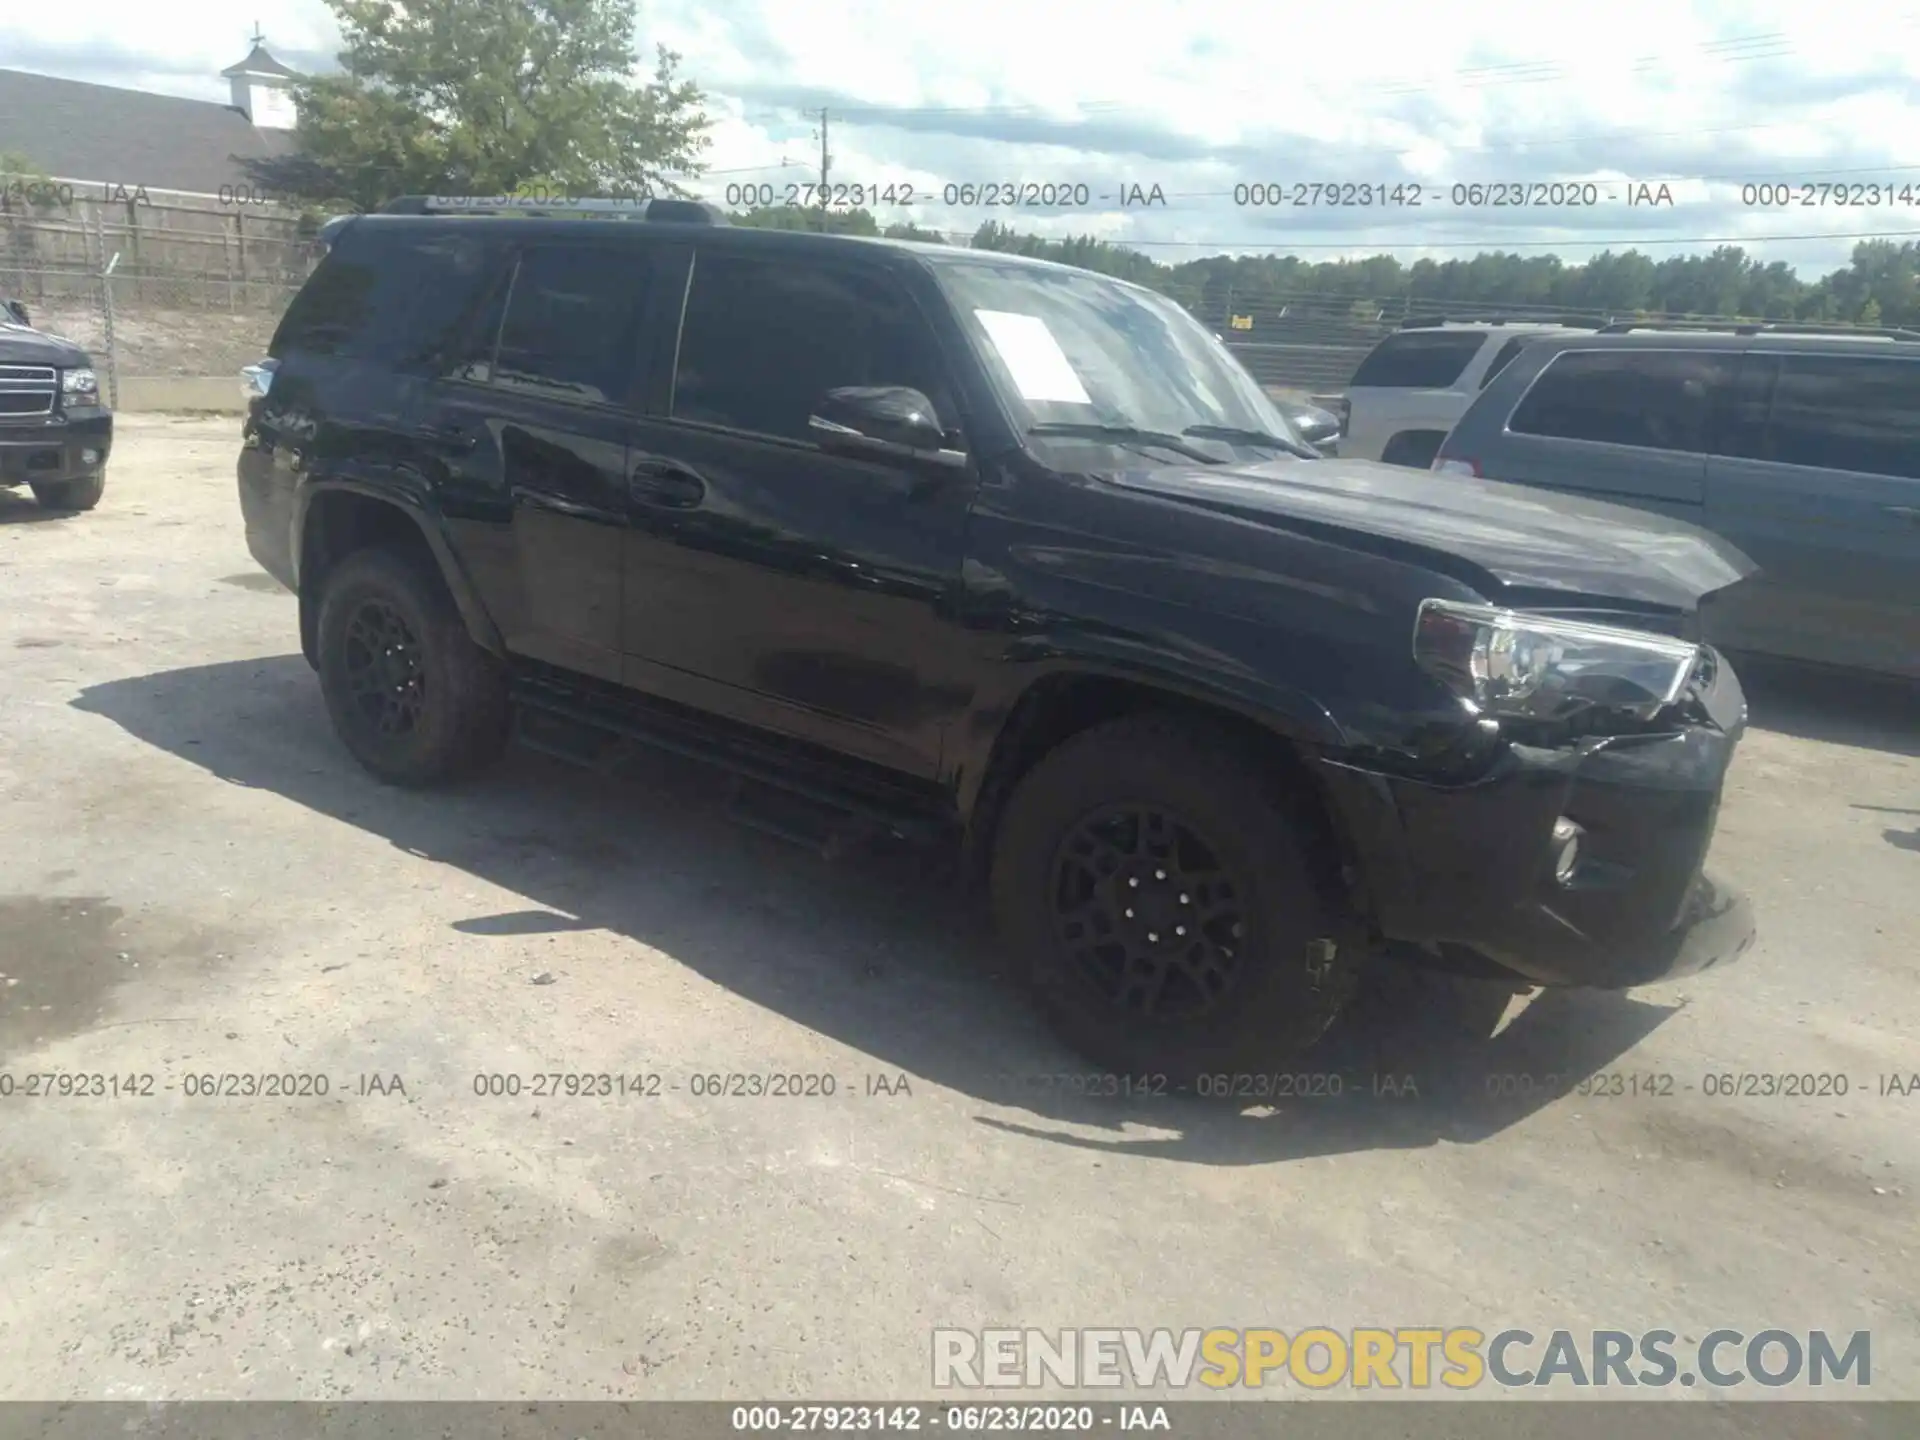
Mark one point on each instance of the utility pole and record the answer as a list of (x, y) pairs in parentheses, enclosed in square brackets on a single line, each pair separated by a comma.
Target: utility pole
[(826, 163)]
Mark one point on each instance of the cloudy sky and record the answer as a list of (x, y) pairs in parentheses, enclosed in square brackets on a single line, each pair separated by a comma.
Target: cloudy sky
[(1199, 97)]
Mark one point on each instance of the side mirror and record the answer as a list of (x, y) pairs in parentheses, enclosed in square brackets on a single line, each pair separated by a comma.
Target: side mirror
[(883, 420), (19, 312)]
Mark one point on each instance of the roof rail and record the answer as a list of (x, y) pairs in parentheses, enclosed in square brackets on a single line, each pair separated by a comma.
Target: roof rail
[(1765, 327), (667, 212), (1430, 322)]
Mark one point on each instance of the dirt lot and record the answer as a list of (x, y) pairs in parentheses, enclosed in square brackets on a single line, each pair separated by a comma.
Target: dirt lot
[(195, 880)]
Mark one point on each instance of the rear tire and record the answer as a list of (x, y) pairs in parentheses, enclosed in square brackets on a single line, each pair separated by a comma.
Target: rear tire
[(82, 494), (411, 696), (1413, 448), (1146, 826)]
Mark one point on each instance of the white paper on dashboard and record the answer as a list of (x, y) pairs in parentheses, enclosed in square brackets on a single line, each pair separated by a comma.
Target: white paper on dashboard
[(1040, 368)]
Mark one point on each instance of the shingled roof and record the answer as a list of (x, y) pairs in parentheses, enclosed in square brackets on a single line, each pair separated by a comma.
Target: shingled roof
[(73, 130)]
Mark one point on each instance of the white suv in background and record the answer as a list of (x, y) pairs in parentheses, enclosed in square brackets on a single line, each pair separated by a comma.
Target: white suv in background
[(1417, 382)]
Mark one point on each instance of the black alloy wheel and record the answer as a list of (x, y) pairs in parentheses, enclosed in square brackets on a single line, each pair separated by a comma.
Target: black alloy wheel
[(1147, 910), (411, 695), (1175, 901), (385, 671)]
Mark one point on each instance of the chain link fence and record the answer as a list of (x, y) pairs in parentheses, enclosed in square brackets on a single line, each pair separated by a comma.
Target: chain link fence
[(195, 288), (161, 290)]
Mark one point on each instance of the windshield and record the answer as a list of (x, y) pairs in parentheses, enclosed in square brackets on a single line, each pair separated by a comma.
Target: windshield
[(1068, 348)]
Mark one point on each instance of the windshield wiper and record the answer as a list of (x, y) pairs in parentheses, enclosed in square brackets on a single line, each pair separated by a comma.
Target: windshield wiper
[(1233, 434), (1125, 435)]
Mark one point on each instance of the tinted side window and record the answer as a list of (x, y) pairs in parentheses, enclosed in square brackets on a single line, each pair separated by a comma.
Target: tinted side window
[(1654, 399), (395, 296), (1505, 358), (762, 341), (1837, 412), (1419, 359), (572, 321), (330, 311)]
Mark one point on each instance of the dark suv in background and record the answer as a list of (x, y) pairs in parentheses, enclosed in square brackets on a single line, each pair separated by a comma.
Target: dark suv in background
[(1006, 556), (1800, 446), (55, 434)]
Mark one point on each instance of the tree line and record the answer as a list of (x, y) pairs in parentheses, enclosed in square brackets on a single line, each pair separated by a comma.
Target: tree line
[(1880, 286)]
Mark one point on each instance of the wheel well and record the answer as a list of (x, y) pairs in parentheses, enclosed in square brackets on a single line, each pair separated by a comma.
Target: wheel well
[(1412, 447), (1056, 709), (338, 523)]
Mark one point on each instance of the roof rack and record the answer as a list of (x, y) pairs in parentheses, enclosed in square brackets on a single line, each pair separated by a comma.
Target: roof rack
[(1432, 322), (1765, 327), (667, 212)]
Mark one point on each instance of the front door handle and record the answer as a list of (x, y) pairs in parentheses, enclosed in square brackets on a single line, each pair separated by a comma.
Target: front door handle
[(1909, 513), (666, 483)]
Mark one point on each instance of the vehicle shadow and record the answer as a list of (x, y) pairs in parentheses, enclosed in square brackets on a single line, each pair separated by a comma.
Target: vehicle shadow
[(1899, 839), (870, 950), (18, 507), (1840, 707)]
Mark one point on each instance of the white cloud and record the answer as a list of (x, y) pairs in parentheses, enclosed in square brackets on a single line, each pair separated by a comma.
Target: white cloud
[(1199, 96)]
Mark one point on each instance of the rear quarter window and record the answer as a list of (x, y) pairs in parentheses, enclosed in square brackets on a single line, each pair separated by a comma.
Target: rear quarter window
[(393, 297), (1504, 358), (1419, 360)]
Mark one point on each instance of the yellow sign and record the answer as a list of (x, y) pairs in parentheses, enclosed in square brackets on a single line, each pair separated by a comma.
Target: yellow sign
[(1241, 322)]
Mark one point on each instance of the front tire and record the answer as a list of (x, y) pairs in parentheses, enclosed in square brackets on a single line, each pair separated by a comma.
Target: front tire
[(1176, 908), (411, 696), (81, 494)]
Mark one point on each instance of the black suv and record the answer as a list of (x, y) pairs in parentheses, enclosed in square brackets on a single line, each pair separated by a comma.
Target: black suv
[(982, 550), (54, 432)]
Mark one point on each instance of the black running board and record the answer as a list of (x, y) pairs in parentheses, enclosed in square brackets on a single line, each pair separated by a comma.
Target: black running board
[(799, 802)]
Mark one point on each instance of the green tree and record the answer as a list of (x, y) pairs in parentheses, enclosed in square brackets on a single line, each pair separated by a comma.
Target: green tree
[(817, 218), (491, 97), (23, 184)]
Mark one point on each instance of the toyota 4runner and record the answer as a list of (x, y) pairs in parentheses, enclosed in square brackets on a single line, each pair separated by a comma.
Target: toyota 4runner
[(999, 554)]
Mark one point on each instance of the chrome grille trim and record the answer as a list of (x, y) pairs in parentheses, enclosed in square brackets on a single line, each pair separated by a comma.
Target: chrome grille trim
[(22, 385)]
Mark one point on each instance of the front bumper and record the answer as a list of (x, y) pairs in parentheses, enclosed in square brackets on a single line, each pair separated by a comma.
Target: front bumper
[(54, 447), (1472, 866)]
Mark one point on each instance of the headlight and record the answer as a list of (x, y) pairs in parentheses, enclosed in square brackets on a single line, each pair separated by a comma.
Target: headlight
[(80, 385), (1512, 665)]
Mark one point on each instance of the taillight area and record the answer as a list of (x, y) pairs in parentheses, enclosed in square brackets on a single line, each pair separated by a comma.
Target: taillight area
[(256, 380), (1457, 467)]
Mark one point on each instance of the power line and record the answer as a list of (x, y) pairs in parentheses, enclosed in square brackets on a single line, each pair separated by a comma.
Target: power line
[(1494, 243), (1736, 49), (1654, 180)]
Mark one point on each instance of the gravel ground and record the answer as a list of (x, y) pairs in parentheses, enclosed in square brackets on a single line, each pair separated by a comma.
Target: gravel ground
[(195, 880)]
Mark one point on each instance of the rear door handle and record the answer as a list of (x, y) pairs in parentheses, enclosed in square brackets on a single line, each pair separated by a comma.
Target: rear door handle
[(667, 483)]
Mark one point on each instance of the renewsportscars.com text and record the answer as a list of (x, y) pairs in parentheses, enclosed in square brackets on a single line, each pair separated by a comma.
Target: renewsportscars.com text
[(1396, 1358)]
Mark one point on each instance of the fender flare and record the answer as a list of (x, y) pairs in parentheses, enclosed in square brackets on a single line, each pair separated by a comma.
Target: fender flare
[(1289, 714), (412, 502)]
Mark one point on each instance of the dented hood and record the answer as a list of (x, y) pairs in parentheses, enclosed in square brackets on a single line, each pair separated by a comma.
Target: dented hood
[(1521, 538)]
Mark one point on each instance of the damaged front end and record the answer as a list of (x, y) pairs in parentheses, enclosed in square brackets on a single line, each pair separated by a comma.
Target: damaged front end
[(1564, 839)]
